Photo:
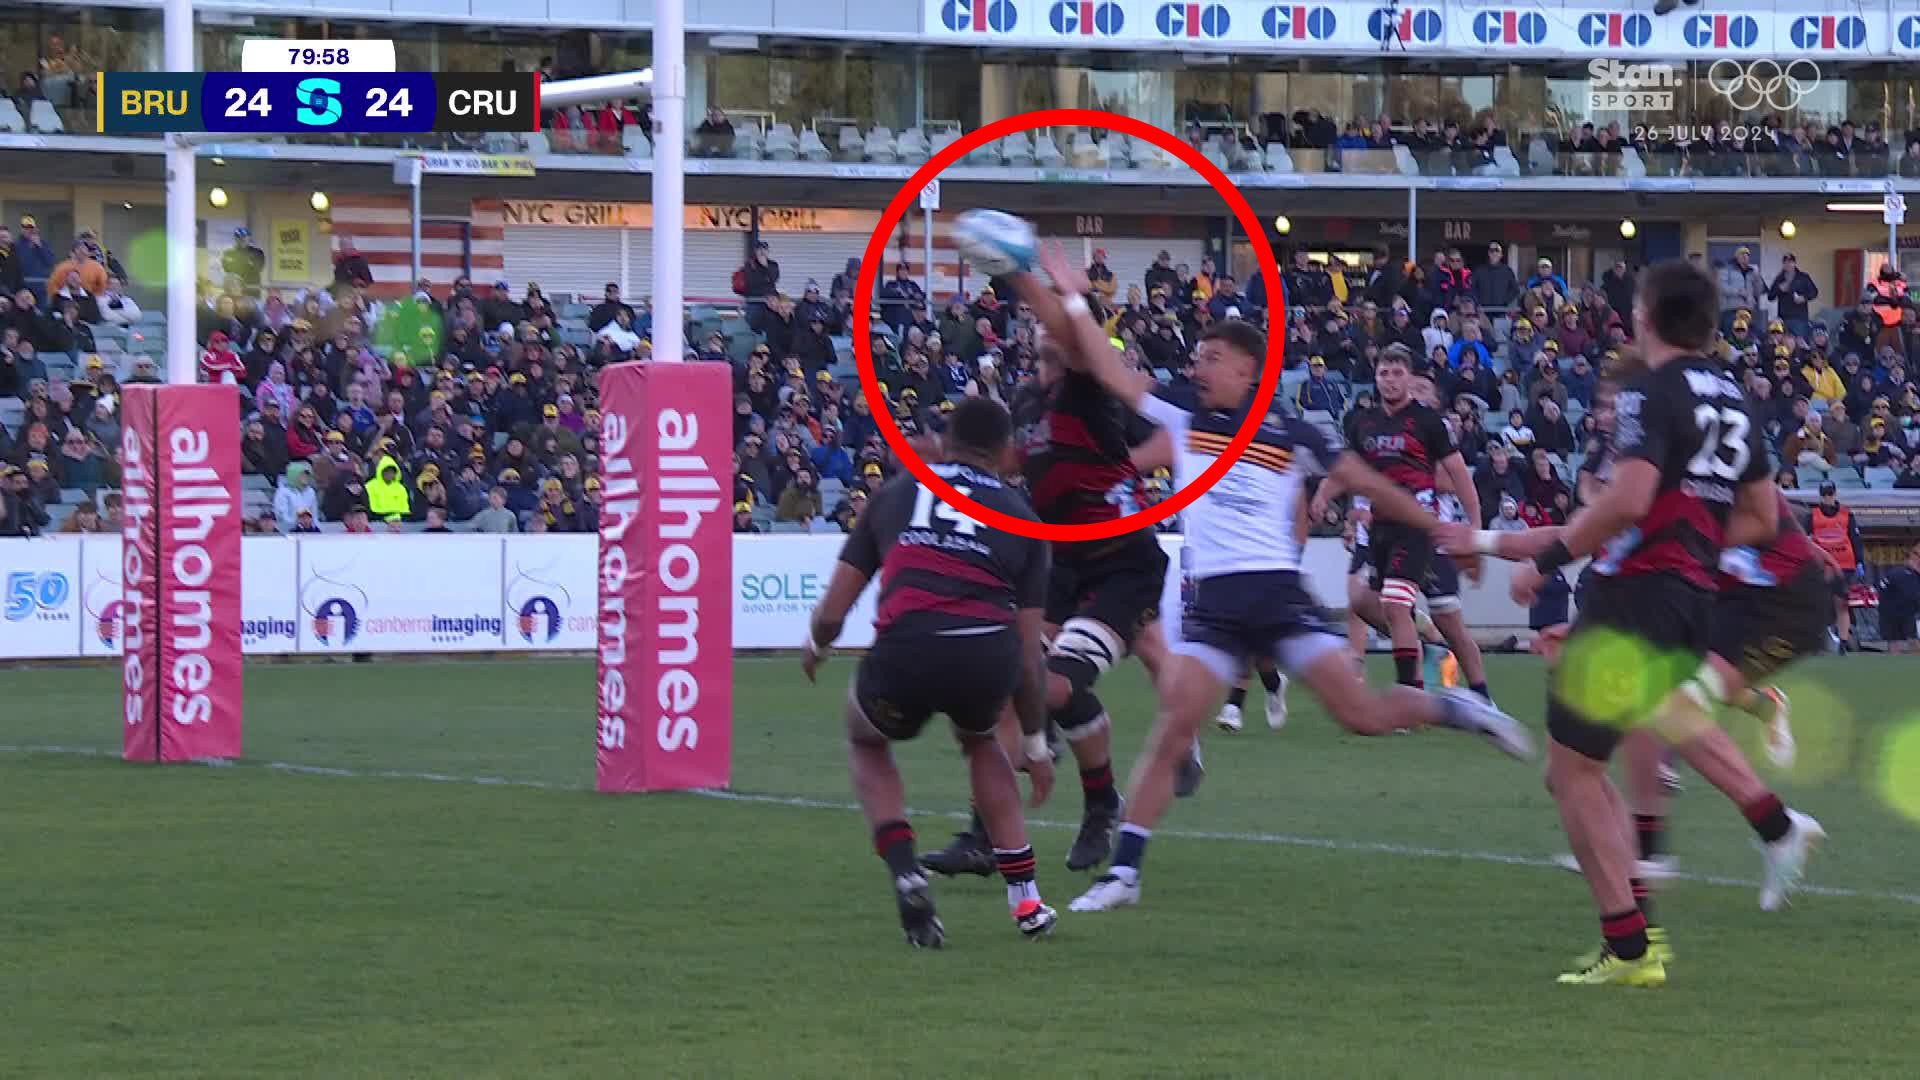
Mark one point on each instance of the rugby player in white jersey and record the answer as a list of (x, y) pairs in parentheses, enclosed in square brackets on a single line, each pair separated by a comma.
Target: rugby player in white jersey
[(1236, 594)]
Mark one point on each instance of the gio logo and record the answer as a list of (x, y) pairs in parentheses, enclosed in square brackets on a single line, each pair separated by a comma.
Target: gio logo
[(1086, 17), (319, 102), (1510, 27), (1613, 28), (1405, 25), (1908, 33), (1826, 32), (1282, 23), (1721, 31), (979, 16), (1193, 20)]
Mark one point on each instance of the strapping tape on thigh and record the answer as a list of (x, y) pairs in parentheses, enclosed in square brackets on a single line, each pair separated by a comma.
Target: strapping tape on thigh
[(1400, 593)]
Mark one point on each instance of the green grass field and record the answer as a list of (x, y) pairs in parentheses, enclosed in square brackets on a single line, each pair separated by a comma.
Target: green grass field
[(1328, 906)]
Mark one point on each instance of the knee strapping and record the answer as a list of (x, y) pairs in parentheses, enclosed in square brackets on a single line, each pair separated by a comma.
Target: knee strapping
[(1399, 593), (1083, 651)]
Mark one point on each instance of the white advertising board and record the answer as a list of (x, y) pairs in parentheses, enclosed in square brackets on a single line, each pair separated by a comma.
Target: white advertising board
[(39, 598), (470, 593), (408, 593)]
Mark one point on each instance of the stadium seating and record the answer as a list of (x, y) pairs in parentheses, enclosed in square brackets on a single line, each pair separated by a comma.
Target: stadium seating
[(1018, 150), (10, 119), (781, 144), (44, 119), (942, 140), (1084, 153), (911, 147), (851, 146), (1046, 153)]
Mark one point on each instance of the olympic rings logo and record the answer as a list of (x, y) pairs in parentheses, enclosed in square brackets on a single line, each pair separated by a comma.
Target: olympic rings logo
[(1764, 82)]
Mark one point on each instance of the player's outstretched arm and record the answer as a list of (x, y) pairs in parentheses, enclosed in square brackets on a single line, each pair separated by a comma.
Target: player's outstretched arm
[(1155, 453), (830, 615), (1386, 498), (1330, 489), (1636, 481), (1514, 546)]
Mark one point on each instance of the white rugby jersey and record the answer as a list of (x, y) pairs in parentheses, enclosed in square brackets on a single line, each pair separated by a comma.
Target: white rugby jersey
[(1246, 521)]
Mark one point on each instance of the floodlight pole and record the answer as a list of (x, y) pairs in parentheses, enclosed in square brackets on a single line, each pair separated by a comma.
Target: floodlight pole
[(183, 278), (669, 178)]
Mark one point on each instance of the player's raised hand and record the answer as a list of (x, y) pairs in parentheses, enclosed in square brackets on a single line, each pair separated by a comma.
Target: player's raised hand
[(1068, 278)]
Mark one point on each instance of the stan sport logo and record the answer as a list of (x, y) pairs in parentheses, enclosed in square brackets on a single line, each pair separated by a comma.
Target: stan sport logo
[(1749, 86)]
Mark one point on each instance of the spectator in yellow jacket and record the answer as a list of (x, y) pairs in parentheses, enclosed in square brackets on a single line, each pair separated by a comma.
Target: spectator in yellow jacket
[(387, 492), (1824, 380)]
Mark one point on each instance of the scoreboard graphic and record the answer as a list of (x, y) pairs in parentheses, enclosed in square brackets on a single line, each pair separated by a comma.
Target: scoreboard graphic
[(316, 102)]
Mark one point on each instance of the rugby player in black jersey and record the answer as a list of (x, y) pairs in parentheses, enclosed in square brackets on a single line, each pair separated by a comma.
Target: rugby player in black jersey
[(1690, 477), (957, 632), (1082, 454)]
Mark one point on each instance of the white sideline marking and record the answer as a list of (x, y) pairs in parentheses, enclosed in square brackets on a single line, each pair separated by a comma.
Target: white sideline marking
[(1364, 847)]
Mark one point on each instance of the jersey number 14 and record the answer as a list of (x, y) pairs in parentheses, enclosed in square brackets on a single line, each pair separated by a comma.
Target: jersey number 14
[(927, 507)]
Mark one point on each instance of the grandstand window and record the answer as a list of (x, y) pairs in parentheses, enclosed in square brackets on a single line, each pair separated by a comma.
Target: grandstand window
[(65, 46), (804, 87)]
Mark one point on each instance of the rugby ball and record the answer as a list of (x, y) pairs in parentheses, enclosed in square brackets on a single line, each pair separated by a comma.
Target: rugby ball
[(994, 241)]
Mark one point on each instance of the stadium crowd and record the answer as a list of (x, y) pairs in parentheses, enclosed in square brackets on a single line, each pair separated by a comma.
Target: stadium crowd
[(475, 408)]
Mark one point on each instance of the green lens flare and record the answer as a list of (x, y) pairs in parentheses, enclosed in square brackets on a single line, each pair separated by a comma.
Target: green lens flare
[(1615, 678), (1897, 773), (146, 259), (1823, 732)]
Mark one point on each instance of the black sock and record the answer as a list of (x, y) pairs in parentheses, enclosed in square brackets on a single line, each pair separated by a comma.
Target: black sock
[(1271, 680), (1237, 696), (1626, 933), (1406, 668), (1768, 816), (1480, 688), (894, 841), (1643, 899), (1096, 786), (1651, 831)]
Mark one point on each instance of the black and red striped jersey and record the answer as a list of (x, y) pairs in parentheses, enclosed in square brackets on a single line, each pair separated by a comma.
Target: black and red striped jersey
[(1406, 445), (1075, 441), (1688, 419), (1788, 557), (942, 572)]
